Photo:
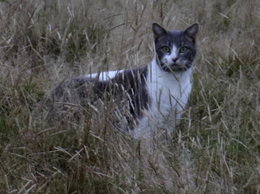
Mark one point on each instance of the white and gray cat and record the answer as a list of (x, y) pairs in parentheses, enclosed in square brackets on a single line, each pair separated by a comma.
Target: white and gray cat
[(153, 96)]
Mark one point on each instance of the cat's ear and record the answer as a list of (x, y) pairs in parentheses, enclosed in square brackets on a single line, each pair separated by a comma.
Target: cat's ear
[(192, 30), (158, 31)]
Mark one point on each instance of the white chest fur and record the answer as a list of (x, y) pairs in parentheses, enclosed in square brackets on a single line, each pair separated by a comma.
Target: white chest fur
[(169, 93)]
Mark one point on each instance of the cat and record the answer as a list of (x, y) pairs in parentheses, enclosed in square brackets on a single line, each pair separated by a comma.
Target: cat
[(148, 99)]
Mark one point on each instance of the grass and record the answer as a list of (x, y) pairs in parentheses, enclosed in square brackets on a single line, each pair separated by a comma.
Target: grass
[(216, 147)]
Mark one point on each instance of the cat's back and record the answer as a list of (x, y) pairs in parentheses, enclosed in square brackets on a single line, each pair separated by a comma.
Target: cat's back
[(126, 90)]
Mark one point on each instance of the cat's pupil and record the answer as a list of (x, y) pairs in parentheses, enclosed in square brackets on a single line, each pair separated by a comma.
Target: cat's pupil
[(166, 49), (184, 49)]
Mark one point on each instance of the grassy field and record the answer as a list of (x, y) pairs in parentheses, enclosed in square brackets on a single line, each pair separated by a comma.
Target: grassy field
[(215, 149)]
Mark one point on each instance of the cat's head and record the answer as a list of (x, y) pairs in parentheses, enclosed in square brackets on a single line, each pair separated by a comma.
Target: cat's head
[(175, 50)]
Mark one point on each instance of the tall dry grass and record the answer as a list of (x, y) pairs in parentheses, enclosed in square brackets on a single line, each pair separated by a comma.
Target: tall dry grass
[(214, 150)]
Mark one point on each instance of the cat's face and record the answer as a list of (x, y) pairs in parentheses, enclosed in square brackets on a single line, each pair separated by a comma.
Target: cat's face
[(175, 50)]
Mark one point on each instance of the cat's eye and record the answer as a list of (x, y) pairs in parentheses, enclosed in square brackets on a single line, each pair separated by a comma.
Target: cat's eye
[(184, 49), (166, 49)]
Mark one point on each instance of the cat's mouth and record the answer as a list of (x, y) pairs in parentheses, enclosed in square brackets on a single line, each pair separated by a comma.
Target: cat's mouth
[(175, 67)]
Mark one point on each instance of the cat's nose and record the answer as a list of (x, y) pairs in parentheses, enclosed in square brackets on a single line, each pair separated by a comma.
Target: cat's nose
[(174, 59)]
